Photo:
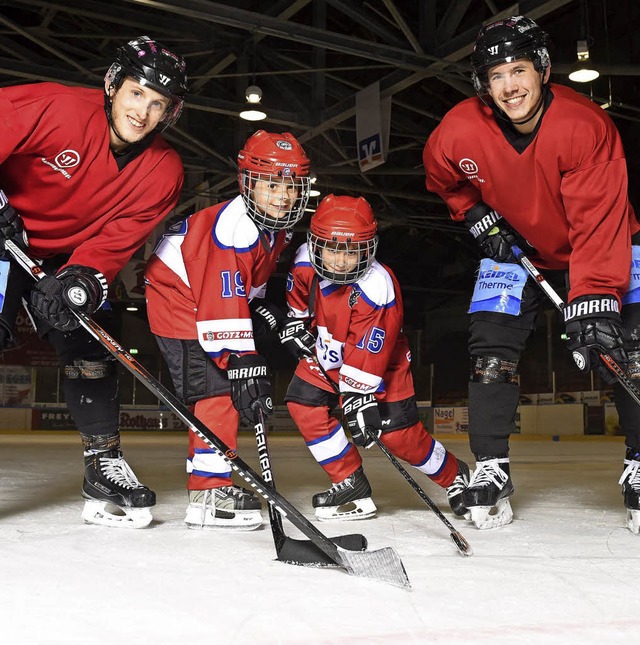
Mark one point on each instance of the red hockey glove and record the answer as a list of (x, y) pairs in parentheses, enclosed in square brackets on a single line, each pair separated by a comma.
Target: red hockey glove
[(594, 326), (362, 416), (250, 385), (76, 288)]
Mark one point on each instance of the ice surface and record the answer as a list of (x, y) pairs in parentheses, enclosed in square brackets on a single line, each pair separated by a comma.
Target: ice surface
[(565, 571)]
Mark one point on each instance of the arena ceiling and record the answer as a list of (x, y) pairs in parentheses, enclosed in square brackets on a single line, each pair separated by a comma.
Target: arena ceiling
[(310, 57)]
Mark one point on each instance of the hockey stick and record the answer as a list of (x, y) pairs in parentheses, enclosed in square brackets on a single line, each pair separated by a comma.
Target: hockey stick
[(607, 359), (458, 539), (289, 550), (383, 564)]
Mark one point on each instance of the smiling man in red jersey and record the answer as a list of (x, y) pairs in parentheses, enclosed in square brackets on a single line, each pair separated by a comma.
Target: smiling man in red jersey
[(84, 180), (534, 163)]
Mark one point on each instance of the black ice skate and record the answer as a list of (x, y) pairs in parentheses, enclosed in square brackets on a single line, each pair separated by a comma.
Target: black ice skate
[(114, 496), (349, 499), (487, 496), (226, 507), (455, 489), (630, 482)]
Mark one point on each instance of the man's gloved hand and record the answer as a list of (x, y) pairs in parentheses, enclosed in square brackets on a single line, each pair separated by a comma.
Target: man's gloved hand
[(361, 415), (594, 326), (265, 317), (250, 385), (11, 226), (492, 233), (297, 339), (76, 288)]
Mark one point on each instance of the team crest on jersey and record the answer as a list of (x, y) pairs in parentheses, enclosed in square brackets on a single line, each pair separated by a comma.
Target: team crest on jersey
[(353, 297), (63, 161), (470, 168)]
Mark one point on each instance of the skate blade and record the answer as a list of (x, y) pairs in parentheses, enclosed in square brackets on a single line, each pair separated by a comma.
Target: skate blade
[(107, 514), (238, 521), (633, 521), (482, 517), (360, 509)]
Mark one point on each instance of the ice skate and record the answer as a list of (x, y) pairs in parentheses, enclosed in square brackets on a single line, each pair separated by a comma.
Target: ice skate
[(114, 496), (229, 507), (487, 496), (349, 499), (455, 489), (630, 482)]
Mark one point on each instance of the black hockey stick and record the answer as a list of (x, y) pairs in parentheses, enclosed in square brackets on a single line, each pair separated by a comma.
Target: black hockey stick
[(383, 564), (463, 546), (301, 552), (607, 359)]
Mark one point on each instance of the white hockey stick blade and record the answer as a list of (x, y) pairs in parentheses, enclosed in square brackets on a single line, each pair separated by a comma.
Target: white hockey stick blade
[(482, 517), (384, 565)]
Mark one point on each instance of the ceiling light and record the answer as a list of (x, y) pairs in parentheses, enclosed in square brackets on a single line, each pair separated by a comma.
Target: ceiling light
[(253, 111), (314, 193), (583, 70)]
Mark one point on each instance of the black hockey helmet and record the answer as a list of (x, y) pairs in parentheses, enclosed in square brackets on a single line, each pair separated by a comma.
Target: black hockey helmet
[(506, 41), (153, 65)]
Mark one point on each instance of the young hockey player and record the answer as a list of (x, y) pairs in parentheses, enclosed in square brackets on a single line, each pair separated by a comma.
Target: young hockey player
[(535, 161), (354, 304), (86, 178), (201, 281)]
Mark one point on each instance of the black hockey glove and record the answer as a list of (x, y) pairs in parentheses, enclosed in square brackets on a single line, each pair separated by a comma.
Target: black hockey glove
[(265, 317), (492, 233), (297, 339), (11, 227), (361, 415), (250, 385), (76, 288), (594, 326)]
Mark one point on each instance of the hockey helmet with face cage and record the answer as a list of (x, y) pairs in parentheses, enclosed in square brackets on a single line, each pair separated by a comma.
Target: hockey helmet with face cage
[(342, 238), (152, 65), (506, 41), (279, 159)]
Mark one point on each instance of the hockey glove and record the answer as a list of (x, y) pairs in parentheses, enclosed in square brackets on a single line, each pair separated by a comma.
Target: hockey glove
[(250, 385), (362, 416), (75, 288), (265, 317), (298, 341), (594, 326), (11, 227), (492, 233)]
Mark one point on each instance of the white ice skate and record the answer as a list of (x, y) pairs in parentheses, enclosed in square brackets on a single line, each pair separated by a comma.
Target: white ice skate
[(114, 496), (630, 482), (228, 507), (487, 496), (349, 499)]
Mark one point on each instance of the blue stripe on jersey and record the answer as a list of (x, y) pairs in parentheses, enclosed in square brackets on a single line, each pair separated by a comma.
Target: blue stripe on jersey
[(375, 305), (340, 456), (325, 437)]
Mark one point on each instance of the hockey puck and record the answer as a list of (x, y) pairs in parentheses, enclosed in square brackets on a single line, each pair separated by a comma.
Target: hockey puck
[(555, 437)]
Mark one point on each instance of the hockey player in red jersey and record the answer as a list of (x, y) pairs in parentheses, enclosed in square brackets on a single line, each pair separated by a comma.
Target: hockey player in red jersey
[(82, 192), (353, 304), (532, 160), (203, 281)]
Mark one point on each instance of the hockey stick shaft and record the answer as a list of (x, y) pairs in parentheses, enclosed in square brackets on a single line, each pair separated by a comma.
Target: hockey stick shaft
[(368, 564), (463, 546), (552, 294)]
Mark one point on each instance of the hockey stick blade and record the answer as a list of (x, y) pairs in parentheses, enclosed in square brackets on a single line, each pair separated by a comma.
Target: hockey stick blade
[(608, 360), (370, 564), (300, 552), (464, 548), (383, 564)]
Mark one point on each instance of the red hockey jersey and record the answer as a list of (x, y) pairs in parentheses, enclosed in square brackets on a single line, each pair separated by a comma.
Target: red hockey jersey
[(566, 192), (360, 343), (58, 171), (203, 274)]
